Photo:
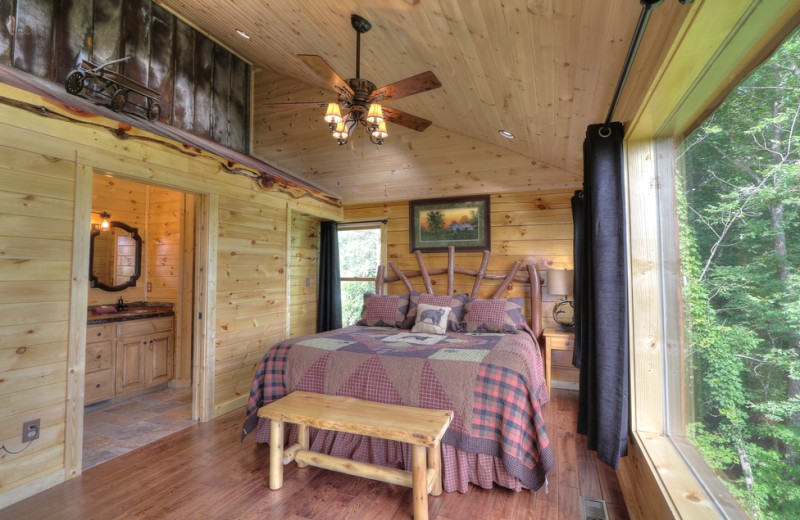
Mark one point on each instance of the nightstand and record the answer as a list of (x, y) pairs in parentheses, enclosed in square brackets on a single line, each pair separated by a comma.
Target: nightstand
[(558, 358)]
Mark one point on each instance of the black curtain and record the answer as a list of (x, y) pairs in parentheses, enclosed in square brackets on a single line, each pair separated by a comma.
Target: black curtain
[(329, 295), (601, 309)]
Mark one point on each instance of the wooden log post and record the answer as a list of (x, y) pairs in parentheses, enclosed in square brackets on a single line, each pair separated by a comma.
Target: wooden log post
[(276, 454), (481, 273), (509, 278), (426, 278), (451, 262)]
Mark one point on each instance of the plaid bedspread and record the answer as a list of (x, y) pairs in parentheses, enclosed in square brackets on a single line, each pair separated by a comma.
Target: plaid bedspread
[(493, 382)]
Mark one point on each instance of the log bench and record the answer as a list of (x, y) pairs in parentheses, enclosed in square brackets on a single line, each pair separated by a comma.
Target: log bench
[(422, 428)]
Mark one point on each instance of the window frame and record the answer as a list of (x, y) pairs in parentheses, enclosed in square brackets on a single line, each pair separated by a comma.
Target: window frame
[(364, 225), (718, 44)]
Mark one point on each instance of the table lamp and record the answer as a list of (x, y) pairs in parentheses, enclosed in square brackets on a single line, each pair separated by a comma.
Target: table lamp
[(559, 283)]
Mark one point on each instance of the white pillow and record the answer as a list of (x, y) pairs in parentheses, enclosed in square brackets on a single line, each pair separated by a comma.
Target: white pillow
[(431, 319)]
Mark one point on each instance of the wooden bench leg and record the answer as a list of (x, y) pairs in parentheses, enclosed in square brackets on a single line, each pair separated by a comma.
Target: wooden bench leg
[(419, 482), (276, 454), (435, 462), (302, 440)]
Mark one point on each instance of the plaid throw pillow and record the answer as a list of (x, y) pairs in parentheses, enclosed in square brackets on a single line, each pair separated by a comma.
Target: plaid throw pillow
[(455, 302), (384, 310), (494, 315)]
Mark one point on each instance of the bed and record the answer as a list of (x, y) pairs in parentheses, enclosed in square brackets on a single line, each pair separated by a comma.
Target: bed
[(476, 356)]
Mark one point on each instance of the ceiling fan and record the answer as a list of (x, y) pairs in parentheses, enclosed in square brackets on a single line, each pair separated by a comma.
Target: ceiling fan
[(361, 100)]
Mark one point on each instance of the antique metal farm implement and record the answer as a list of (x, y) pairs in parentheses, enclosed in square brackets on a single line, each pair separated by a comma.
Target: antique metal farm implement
[(115, 86)]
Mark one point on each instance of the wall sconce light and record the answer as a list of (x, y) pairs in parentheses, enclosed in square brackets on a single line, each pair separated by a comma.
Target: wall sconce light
[(559, 283), (104, 225)]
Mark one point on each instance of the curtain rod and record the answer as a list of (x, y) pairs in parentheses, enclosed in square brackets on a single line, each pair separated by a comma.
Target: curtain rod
[(641, 25), (382, 221)]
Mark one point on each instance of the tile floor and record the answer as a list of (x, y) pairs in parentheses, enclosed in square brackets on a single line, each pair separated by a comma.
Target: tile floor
[(111, 429)]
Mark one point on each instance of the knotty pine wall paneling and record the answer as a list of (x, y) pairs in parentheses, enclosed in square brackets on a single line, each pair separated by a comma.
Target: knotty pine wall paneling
[(163, 244), (530, 226), (251, 293), (36, 217), (42, 146), (303, 274)]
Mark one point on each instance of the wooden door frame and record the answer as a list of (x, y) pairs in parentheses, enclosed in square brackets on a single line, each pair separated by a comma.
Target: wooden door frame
[(203, 354), (205, 296)]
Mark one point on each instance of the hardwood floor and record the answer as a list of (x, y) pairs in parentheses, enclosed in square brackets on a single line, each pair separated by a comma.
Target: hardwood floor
[(204, 472)]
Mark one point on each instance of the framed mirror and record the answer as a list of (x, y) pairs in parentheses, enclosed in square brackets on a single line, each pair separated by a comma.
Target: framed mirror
[(115, 257)]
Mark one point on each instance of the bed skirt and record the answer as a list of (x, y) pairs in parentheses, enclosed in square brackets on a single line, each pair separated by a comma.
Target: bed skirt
[(459, 468)]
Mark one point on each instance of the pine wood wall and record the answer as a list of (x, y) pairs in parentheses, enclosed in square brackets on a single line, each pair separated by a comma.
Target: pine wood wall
[(532, 227), (303, 275), (48, 157)]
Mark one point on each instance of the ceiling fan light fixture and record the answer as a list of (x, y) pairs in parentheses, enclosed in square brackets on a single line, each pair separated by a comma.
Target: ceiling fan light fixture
[(375, 114), (359, 100), (333, 116), (340, 132), (379, 133)]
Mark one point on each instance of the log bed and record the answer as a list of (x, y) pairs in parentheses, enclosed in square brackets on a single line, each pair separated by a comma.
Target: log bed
[(487, 367)]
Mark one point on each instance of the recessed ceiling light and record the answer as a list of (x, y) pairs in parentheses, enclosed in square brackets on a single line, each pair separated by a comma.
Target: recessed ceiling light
[(242, 34), (506, 134)]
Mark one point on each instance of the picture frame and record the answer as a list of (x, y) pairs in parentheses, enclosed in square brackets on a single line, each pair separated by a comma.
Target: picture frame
[(461, 222)]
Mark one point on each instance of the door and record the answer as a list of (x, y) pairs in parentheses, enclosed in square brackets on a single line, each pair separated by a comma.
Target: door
[(159, 358), (130, 363)]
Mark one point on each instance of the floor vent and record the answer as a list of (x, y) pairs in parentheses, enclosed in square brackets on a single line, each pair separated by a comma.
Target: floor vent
[(593, 509)]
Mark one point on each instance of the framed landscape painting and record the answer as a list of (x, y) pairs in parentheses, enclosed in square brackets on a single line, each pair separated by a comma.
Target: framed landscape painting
[(461, 222)]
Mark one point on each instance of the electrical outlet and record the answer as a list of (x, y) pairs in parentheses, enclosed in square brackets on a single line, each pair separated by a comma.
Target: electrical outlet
[(149, 286), (30, 430)]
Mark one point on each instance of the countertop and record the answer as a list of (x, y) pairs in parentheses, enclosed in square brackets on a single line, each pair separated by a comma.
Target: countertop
[(101, 314)]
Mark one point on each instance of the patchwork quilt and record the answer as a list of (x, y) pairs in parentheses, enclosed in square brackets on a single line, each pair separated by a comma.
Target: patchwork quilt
[(493, 382)]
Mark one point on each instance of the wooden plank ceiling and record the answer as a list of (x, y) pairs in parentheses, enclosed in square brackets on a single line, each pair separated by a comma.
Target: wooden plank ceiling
[(541, 69)]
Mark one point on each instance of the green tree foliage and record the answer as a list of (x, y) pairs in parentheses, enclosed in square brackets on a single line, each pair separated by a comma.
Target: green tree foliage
[(739, 199), (435, 222), (359, 256)]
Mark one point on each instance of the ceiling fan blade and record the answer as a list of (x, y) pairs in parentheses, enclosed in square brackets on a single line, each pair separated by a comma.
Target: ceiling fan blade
[(406, 87), (324, 71), (299, 104), (405, 119)]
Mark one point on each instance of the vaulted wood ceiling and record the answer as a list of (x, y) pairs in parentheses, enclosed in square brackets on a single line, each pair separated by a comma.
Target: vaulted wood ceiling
[(542, 69)]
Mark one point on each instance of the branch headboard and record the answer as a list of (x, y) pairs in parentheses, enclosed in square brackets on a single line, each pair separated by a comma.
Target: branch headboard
[(529, 276)]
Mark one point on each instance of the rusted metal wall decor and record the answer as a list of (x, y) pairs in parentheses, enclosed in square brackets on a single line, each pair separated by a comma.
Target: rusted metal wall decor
[(204, 88)]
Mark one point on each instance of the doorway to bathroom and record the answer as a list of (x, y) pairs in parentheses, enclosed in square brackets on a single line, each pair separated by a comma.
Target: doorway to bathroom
[(139, 348)]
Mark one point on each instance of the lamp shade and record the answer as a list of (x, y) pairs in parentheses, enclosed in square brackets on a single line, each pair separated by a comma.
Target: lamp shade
[(333, 115), (375, 114), (559, 282)]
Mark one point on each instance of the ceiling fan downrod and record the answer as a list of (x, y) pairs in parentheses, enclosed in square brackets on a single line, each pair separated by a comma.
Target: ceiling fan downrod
[(361, 25)]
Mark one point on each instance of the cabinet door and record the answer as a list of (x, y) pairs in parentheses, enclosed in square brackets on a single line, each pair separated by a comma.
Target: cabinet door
[(159, 358), (130, 364)]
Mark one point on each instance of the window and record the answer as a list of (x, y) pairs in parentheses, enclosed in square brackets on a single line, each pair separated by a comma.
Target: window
[(737, 207), (360, 252)]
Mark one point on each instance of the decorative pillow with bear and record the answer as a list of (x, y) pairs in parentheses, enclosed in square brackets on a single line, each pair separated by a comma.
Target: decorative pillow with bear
[(455, 302), (384, 310), (431, 319), (494, 315)]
